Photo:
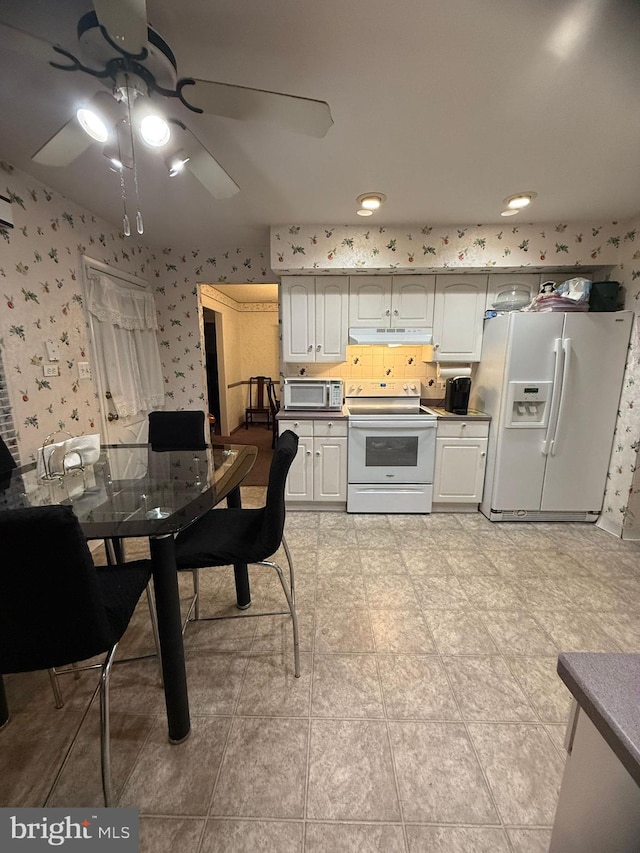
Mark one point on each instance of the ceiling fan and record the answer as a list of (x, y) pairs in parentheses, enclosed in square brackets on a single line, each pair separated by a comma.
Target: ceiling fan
[(140, 69)]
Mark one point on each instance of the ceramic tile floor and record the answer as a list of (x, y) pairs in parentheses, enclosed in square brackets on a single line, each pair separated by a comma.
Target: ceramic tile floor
[(428, 716)]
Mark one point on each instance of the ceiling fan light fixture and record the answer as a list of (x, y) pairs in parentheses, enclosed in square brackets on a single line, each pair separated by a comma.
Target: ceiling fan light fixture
[(519, 200), (93, 124), (154, 130), (510, 212), (371, 201), (364, 212)]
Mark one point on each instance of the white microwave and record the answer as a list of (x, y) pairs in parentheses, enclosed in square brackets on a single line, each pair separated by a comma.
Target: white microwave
[(306, 392)]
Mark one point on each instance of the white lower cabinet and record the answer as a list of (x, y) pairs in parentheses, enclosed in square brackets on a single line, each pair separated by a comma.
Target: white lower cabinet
[(461, 456), (319, 471)]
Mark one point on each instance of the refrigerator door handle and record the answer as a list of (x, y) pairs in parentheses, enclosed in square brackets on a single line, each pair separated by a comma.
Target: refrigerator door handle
[(555, 396), (566, 350)]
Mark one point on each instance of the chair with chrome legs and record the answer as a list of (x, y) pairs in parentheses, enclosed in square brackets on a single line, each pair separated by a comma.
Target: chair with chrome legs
[(57, 607), (227, 536)]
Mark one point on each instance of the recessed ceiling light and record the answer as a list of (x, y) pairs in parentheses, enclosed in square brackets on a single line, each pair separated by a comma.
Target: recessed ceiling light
[(371, 201), (510, 212), (520, 199), (364, 212)]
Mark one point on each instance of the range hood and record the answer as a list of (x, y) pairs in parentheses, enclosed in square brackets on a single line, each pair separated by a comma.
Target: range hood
[(391, 337)]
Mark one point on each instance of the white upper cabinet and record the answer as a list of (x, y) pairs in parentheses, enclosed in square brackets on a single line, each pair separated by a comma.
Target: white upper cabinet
[(314, 318), (511, 287), (458, 317), (412, 299), (385, 301)]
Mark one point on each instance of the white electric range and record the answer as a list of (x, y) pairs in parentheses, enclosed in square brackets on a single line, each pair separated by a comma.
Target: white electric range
[(391, 447)]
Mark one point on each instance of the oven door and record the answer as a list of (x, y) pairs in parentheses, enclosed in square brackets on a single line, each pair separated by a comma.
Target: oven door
[(391, 450)]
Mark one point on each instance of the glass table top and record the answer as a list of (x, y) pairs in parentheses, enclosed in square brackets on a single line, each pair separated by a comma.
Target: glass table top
[(134, 491)]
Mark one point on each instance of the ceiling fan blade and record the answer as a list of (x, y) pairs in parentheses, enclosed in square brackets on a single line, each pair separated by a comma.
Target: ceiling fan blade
[(207, 170), (20, 42), (64, 146), (305, 115), (125, 21)]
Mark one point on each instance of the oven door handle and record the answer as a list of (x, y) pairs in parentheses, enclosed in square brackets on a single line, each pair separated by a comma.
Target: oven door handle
[(391, 424)]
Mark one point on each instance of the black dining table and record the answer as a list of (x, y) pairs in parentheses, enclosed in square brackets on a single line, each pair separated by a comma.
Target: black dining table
[(135, 492)]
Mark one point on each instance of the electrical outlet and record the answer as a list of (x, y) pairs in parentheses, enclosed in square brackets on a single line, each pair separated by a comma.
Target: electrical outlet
[(84, 370), (50, 370)]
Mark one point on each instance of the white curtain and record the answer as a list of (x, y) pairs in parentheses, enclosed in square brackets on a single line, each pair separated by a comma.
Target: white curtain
[(125, 324)]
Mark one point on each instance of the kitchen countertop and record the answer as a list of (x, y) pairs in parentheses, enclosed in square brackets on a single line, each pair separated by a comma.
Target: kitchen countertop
[(472, 414), (607, 688), (311, 415)]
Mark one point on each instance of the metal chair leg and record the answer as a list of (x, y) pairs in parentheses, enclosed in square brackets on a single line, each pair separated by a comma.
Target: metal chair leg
[(196, 593), (154, 627), (57, 694), (105, 732)]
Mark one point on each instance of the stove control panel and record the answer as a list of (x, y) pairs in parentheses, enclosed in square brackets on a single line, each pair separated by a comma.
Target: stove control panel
[(381, 388)]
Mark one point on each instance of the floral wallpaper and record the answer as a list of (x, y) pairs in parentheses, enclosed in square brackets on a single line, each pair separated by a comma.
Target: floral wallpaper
[(42, 300), (347, 248), (41, 290), (621, 512)]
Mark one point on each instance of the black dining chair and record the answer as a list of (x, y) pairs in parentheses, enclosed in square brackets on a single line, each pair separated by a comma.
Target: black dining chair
[(182, 430), (228, 536), (274, 405), (7, 464), (58, 608)]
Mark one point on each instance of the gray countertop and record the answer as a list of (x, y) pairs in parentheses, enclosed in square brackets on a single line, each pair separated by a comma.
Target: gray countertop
[(607, 688), (472, 414)]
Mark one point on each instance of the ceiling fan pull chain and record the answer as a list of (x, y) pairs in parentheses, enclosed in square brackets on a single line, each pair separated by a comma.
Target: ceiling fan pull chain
[(126, 227), (139, 223)]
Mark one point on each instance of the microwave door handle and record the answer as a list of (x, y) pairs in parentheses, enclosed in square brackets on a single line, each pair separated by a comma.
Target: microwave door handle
[(555, 396), (327, 396), (566, 349)]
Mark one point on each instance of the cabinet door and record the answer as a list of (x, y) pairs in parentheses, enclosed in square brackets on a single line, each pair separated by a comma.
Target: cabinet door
[(298, 318), (528, 285), (459, 470), (332, 318), (330, 469), (458, 317), (299, 486), (412, 301), (370, 300)]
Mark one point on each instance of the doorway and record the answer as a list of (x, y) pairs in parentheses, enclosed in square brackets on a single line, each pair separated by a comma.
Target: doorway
[(211, 366)]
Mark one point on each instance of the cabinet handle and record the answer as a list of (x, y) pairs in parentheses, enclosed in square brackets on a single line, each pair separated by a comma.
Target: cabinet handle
[(483, 453), (330, 424), (318, 348), (317, 453), (387, 312), (310, 348), (296, 424), (436, 346), (395, 312), (308, 453), (462, 426)]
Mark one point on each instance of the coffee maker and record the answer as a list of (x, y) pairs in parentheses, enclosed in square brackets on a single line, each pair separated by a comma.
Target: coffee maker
[(456, 397)]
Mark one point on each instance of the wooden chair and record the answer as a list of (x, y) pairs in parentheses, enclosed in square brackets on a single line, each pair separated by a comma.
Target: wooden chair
[(258, 407)]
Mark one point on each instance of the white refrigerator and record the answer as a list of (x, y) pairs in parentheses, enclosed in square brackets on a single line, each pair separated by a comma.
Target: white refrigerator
[(551, 383)]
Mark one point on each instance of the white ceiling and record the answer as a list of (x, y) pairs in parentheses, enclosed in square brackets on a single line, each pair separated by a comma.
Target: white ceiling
[(446, 106), (249, 292)]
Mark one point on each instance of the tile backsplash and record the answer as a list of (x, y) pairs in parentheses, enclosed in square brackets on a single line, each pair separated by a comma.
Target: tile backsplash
[(371, 362)]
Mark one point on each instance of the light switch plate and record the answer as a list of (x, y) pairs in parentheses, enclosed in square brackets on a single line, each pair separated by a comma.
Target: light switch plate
[(50, 370), (84, 370)]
